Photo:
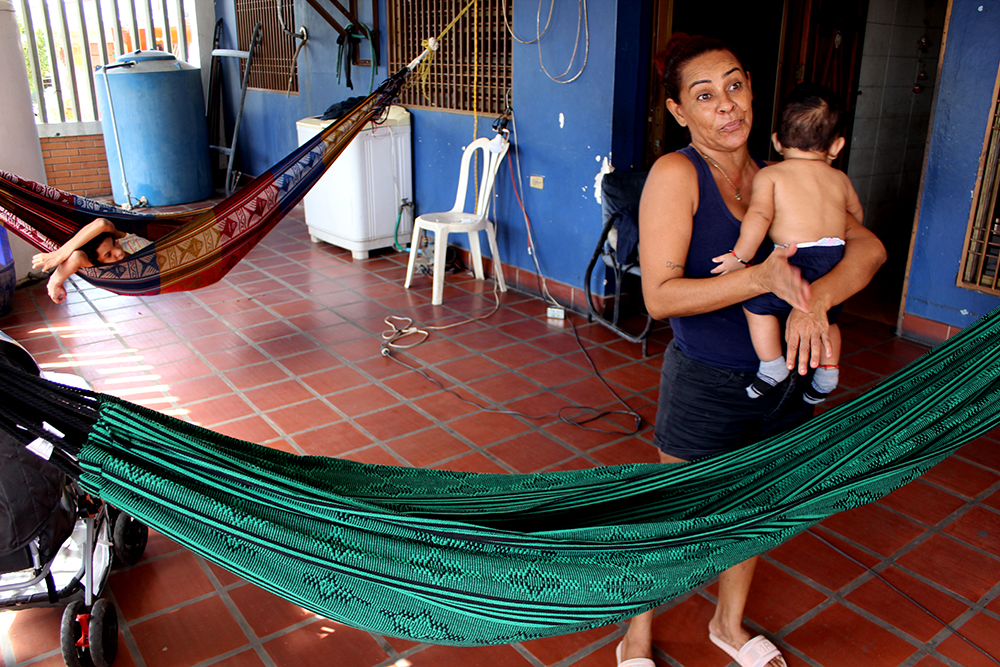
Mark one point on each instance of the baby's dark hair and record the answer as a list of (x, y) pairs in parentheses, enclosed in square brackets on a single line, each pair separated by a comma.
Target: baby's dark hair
[(90, 247), (811, 118)]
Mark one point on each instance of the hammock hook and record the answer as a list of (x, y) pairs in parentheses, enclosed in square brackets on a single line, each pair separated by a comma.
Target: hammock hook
[(302, 35)]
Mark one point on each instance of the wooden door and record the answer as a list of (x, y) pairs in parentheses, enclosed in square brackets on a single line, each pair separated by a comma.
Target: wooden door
[(823, 45), (780, 42)]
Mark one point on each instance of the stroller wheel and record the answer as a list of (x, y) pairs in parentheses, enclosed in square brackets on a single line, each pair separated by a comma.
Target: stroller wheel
[(103, 633), (129, 538), (69, 634)]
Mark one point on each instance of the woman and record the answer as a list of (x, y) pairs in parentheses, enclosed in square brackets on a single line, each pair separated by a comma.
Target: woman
[(99, 242), (690, 212)]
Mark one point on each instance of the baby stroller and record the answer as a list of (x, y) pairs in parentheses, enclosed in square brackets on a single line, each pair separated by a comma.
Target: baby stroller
[(56, 543)]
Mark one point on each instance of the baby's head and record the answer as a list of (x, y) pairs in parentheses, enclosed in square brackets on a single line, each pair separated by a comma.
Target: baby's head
[(811, 119), (103, 249)]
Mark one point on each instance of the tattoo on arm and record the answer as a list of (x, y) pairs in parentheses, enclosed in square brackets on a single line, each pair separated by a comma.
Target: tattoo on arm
[(672, 265)]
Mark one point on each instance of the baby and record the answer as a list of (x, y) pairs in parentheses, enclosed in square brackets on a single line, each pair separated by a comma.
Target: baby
[(99, 242), (800, 201)]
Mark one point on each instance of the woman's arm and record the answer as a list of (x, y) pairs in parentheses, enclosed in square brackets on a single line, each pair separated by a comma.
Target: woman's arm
[(48, 260), (807, 333), (666, 219)]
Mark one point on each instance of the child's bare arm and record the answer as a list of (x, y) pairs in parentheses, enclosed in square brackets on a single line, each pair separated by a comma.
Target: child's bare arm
[(65, 269), (48, 260), (754, 227)]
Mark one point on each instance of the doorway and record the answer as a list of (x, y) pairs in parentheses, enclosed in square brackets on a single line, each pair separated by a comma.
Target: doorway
[(783, 43)]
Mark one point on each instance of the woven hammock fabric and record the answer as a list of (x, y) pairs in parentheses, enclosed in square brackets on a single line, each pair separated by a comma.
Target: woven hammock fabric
[(475, 559), (195, 248)]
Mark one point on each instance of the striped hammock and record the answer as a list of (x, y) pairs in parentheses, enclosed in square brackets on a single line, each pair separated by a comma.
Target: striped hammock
[(196, 248), (475, 559)]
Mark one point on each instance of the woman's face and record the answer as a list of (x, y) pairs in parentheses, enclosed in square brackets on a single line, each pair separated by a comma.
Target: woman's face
[(715, 101), (109, 251)]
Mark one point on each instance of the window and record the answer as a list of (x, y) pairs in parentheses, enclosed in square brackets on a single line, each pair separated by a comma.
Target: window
[(471, 70), (64, 41), (273, 67), (982, 248)]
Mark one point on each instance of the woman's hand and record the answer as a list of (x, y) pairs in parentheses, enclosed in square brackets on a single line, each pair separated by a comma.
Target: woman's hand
[(776, 275), (807, 336)]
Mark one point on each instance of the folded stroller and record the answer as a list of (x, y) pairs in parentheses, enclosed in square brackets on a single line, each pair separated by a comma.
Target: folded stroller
[(56, 544)]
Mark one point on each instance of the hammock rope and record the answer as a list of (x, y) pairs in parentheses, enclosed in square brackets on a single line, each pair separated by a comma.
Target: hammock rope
[(473, 559), (432, 44)]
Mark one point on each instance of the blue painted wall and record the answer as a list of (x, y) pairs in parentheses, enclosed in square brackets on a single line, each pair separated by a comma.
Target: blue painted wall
[(268, 131), (963, 109), (564, 131)]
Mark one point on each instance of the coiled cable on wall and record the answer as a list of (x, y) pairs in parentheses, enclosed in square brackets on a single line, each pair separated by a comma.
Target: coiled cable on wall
[(581, 19)]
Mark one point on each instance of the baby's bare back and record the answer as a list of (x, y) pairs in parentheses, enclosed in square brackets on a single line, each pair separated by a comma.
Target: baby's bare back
[(811, 201)]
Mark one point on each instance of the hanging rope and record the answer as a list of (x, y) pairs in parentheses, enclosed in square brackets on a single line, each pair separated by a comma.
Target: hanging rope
[(580, 18), (540, 32), (475, 88), (432, 44)]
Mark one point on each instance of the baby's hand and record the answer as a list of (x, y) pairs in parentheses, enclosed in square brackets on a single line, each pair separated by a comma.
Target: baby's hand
[(727, 264)]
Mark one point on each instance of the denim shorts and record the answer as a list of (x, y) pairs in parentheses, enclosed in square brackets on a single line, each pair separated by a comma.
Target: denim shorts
[(704, 410)]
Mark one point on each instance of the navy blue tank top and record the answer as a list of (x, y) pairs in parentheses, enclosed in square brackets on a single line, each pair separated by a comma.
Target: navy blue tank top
[(720, 338)]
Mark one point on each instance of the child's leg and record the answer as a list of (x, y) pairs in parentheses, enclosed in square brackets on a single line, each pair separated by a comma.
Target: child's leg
[(826, 376), (765, 332)]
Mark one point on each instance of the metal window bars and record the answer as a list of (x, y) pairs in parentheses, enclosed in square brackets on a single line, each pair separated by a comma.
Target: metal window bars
[(66, 40), (472, 71), (982, 249)]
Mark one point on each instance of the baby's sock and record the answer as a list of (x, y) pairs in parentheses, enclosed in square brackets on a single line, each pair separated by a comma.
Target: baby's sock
[(824, 381), (769, 374)]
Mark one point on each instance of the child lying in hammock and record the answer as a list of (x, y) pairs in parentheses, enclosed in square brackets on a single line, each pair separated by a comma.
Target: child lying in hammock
[(97, 243)]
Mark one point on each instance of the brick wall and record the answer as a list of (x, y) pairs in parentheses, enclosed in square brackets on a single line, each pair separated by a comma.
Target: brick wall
[(77, 164)]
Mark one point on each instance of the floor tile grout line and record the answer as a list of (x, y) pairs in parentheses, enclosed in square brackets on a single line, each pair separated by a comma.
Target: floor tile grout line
[(885, 562), (588, 450), (125, 628), (282, 435), (874, 572), (253, 641)]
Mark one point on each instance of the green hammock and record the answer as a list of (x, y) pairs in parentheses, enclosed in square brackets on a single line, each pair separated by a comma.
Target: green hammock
[(475, 559)]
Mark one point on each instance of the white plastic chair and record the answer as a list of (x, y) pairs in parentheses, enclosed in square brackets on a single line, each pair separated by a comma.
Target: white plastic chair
[(458, 220)]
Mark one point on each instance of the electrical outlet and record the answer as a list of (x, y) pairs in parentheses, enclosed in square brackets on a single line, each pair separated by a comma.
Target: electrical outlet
[(554, 313), (537, 182)]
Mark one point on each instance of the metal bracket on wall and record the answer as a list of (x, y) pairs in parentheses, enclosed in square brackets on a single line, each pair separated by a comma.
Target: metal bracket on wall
[(352, 17)]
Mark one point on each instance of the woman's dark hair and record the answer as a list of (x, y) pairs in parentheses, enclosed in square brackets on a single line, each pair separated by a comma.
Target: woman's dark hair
[(679, 50), (90, 247), (810, 118)]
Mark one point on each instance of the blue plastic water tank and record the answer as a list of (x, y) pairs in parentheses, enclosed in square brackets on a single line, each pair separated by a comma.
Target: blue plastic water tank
[(159, 119), (8, 276)]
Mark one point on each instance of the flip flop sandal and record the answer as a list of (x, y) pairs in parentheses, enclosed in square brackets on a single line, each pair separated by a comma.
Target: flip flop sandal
[(634, 662), (757, 652)]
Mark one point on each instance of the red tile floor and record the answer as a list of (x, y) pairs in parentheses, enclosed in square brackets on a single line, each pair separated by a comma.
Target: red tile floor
[(285, 352)]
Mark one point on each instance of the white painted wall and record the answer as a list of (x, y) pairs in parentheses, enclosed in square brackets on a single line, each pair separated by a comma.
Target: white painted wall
[(22, 152)]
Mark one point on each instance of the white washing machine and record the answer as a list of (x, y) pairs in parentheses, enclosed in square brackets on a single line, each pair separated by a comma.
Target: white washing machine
[(360, 203)]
